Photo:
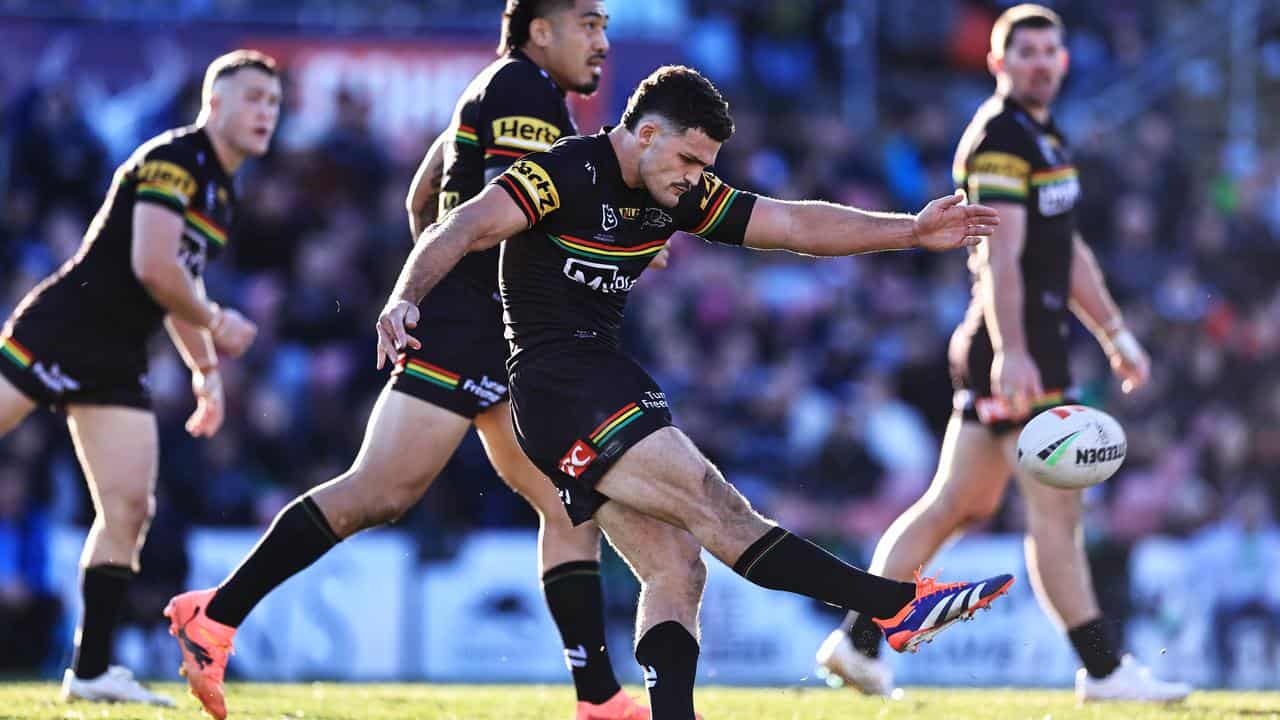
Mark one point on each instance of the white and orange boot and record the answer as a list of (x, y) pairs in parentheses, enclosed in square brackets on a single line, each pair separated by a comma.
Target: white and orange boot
[(205, 644)]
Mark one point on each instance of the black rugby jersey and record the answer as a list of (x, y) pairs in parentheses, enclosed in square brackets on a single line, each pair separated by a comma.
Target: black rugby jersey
[(511, 108), (177, 170), (590, 237), (1006, 156)]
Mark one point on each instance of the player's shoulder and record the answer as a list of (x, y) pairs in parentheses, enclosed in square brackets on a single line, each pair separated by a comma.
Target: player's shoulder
[(1001, 119), (515, 74)]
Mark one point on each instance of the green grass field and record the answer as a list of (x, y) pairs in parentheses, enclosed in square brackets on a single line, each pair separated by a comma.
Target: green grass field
[(329, 701)]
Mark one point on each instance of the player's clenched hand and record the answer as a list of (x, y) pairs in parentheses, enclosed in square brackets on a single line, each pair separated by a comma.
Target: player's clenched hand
[(1129, 361), (232, 332), (1015, 380), (948, 223), (210, 404), (394, 324)]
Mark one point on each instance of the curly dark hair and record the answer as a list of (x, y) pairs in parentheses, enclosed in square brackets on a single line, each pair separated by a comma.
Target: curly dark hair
[(685, 98), (518, 15)]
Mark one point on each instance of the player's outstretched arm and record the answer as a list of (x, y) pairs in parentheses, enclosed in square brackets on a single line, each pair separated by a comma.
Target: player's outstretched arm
[(827, 229), (423, 202), (478, 224), (1092, 303)]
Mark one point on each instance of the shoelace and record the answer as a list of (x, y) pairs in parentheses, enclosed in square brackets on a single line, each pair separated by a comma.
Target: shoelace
[(928, 586)]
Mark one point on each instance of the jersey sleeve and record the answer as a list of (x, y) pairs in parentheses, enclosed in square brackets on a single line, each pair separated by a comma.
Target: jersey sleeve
[(998, 168), (537, 182), (521, 113), (716, 211), (167, 177)]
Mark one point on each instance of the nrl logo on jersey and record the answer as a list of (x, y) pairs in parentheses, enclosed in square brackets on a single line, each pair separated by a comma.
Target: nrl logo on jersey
[(608, 219)]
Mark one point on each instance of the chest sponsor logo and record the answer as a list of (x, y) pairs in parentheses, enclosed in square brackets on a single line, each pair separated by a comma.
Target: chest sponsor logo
[(576, 461), (537, 183), (629, 214), (1058, 191), (600, 277), (524, 132), (608, 218), (656, 218)]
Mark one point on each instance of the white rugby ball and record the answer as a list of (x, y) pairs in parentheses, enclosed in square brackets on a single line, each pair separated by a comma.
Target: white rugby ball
[(1071, 446)]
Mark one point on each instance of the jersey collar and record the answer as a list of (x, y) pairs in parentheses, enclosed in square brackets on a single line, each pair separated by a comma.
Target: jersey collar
[(518, 54)]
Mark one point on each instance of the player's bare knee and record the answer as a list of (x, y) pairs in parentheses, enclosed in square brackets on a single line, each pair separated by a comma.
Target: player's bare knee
[(720, 503)]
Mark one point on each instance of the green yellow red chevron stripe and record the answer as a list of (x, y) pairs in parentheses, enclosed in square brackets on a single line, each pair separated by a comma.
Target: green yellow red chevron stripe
[(206, 227), (432, 374), (1052, 175), (466, 135), (719, 208), (20, 356), (600, 251), (163, 193), (614, 423)]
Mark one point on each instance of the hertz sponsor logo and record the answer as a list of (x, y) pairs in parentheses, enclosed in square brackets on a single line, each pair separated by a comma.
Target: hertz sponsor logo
[(1093, 456), (525, 133), (448, 201), (537, 183), (1000, 163), (169, 176)]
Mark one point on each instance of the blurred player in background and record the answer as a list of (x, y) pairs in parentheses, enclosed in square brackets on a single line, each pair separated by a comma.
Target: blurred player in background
[(77, 342), (1009, 361), (581, 222), (459, 379)]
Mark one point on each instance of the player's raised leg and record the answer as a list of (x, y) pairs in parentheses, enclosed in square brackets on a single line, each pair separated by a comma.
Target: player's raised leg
[(569, 564), (668, 563), (1063, 583), (664, 476), (406, 444), (117, 448), (969, 483)]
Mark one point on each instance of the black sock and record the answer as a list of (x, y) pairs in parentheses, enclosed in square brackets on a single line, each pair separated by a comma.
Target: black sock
[(576, 602), (1093, 644), (297, 538), (864, 634), (782, 561), (103, 589), (669, 656)]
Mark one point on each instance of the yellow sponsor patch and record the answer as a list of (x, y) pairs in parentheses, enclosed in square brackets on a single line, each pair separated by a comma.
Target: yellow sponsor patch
[(524, 133), (537, 184), (1000, 164), (710, 184), (168, 176), (448, 201), (629, 213)]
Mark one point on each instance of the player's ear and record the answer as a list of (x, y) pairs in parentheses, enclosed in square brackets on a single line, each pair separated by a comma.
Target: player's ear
[(995, 63), (647, 131), (1066, 60), (540, 32)]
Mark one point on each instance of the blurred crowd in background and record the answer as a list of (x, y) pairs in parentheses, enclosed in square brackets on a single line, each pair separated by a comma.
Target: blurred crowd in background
[(820, 387)]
